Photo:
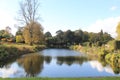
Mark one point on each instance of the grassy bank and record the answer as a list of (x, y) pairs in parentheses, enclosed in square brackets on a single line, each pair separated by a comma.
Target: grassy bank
[(105, 55), (90, 51), (101, 78), (10, 51)]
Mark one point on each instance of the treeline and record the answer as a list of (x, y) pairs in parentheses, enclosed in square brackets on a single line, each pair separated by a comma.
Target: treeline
[(62, 39), (67, 38), (6, 35), (30, 34), (23, 35)]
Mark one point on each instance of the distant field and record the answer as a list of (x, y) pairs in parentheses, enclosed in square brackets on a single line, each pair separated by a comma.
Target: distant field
[(103, 78)]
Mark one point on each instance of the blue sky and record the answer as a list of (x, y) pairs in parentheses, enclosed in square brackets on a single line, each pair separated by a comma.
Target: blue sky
[(89, 15)]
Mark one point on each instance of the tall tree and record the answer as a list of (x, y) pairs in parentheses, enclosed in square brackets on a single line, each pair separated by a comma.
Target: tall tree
[(19, 34), (37, 34), (78, 36), (48, 34), (69, 36), (7, 33), (60, 36), (29, 11), (8, 30), (29, 15), (118, 31), (20, 30)]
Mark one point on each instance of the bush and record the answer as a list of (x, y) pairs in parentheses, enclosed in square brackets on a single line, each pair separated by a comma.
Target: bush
[(116, 45), (108, 58), (88, 44), (99, 43), (3, 52), (75, 47), (39, 47), (19, 39), (103, 53)]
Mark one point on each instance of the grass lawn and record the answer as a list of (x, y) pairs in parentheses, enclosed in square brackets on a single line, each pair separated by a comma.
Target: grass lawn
[(101, 78)]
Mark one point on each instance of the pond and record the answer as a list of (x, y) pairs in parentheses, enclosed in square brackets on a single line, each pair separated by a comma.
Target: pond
[(56, 63)]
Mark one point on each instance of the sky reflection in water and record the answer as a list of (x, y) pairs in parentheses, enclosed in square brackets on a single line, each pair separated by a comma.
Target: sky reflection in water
[(56, 63)]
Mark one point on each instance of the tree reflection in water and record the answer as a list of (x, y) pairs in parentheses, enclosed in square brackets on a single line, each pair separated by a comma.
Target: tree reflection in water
[(69, 60), (115, 65), (32, 64), (47, 59)]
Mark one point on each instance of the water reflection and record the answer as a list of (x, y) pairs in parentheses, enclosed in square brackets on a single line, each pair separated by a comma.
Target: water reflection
[(12, 71), (47, 59), (58, 64), (69, 60), (7, 62), (116, 69), (97, 65), (32, 64), (115, 65)]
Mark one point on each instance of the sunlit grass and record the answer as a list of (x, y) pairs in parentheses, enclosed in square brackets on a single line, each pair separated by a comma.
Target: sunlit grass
[(20, 45), (11, 50)]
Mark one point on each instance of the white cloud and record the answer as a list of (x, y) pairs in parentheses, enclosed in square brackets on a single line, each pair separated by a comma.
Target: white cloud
[(13, 71), (97, 65), (113, 8), (107, 25)]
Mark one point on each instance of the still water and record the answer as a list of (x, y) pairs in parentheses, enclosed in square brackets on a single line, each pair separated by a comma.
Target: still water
[(56, 63)]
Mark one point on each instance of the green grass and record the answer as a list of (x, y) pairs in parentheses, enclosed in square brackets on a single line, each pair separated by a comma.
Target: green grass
[(95, 78), (13, 50)]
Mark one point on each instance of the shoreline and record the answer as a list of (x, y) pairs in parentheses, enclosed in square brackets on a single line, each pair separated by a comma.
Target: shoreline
[(102, 54), (9, 52)]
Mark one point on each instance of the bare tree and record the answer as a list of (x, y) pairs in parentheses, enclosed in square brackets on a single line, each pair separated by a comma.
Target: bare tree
[(8, 30), (29, 14)]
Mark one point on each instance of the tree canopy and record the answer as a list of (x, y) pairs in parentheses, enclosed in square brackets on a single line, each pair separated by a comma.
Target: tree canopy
[(28, 16), (66, 38), (118, 31), (37, 33)]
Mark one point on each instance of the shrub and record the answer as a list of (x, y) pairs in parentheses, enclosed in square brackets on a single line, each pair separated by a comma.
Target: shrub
[(99, 43), (116, 45), (19, 39), (108, 58), (88, 44), (110, 45), (103, 53), (39, 47), (3, 52)]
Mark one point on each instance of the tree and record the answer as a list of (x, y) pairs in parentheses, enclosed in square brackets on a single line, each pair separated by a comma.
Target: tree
[(6, 35), (48, 34), (37, 34), (1, 33), (19, 39), (106, 37), (78, 36), (19, 35), (60, 36), (69, 36), (86, 36), (8, 30), (118, 31), (29, 15), (20, 30)]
